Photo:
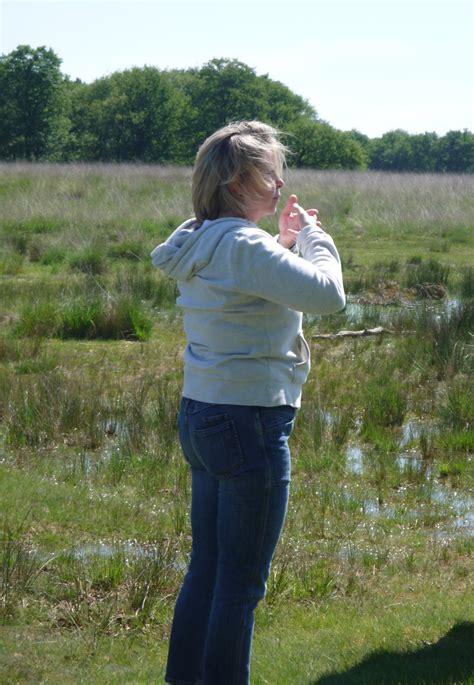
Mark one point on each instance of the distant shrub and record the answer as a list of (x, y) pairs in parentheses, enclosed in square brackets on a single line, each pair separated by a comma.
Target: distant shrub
[(153, 228), (458, 234), (456, 411), (359, 282), (138, 281), (467, 282), (450, 335), (89, 261), (35, 224), (44, 253), (41, 319), (442, 338), (52, 255), (35, 251), (133, 250), (387, 268), (16, 351), (11, 263), (45, 407), (79, 319), (19, 242), (143, 281), (118, 319), (430, 272), (166, 292), (385, 402)]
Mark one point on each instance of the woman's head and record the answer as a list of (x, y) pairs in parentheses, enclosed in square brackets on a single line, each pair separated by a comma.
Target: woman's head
[(238, 171)]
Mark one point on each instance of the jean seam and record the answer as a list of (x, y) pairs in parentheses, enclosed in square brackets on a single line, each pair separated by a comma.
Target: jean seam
[(258, 557)]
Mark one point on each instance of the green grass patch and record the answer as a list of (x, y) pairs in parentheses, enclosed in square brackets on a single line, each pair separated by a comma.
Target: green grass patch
[(121, 318)]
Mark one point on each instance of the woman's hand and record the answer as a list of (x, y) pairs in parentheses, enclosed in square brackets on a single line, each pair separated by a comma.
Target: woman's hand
[(292, 219)]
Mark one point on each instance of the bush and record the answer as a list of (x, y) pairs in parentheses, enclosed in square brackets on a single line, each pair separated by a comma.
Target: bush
[(52, 255), (139, 281), (133, 250), (385, 403), (467, 283), (89, 261), (457, 408), (117, 319), (11, 263), (40, 319), (424, 273)]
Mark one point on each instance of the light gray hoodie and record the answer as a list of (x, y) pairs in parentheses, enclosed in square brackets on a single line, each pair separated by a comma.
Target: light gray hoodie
[(242, 294)]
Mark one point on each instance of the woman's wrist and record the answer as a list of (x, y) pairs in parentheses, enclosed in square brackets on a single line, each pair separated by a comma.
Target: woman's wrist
[(288, 244)]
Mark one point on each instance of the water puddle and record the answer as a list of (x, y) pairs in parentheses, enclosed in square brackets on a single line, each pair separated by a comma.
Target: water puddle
[(128, 551), (366, 314), (413, 429), (355, 459), (450, 510), (109, 551), (455, 506)]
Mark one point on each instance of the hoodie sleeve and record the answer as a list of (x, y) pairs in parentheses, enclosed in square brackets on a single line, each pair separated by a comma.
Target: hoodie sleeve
[(311, 282)]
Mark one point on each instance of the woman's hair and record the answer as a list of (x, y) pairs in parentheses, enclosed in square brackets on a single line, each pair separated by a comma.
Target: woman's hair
[(232, 168)]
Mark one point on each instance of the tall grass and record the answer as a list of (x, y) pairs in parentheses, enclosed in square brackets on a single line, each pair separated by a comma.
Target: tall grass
[(437, 339), (19, 566), (113, 589), (121, 318), (384, 401), (423, 273), (52, 407), (467, 283)]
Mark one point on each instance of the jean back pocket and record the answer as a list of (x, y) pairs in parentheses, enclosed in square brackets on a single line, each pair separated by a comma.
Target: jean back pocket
[(217, 445)]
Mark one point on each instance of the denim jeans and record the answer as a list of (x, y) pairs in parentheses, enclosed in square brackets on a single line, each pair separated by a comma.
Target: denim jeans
[(240, 466)]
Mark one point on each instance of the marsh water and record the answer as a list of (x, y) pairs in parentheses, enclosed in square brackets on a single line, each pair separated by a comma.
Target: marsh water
[(455, 507)]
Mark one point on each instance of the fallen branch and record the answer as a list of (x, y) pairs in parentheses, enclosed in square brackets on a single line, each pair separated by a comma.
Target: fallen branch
[(352, 334)]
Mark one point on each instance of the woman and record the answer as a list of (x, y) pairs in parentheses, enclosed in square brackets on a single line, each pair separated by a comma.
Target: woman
[(246, 359)]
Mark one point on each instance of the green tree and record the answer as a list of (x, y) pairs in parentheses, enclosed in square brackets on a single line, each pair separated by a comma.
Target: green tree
[(456, 152), (280, 106), (318, 145), (391, 152), (221, 91), (225, 90), (400, 151), (424, 151), (130, 115), (32, 104), (361, 138)]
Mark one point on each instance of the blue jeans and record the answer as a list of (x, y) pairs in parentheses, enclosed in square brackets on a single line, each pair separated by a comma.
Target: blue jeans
[(240, 466)]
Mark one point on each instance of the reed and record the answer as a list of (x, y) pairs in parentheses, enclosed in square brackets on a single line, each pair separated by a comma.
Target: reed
[(121, 318)]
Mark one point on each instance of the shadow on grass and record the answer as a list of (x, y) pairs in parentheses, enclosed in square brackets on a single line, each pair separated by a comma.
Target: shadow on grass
[(447, 662)]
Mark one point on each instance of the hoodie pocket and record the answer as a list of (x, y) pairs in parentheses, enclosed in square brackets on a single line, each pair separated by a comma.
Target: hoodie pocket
[(302, 364)]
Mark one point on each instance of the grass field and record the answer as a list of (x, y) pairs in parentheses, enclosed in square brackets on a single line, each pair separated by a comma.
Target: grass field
[(372, 580)]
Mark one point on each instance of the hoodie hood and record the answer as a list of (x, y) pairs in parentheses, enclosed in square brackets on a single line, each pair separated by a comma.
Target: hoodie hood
[(191, 246)]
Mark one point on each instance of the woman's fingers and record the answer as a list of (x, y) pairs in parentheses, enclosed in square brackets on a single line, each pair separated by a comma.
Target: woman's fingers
[(289, 206), (293, 212)]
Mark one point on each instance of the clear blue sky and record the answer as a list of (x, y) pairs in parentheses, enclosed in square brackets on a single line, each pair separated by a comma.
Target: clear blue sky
[(374, 66)]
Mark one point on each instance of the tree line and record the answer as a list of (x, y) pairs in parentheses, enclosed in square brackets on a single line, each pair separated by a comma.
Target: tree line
[(161, 116)]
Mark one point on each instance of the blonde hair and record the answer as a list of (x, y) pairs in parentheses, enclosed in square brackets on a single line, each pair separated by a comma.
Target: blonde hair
[(232, 168)]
